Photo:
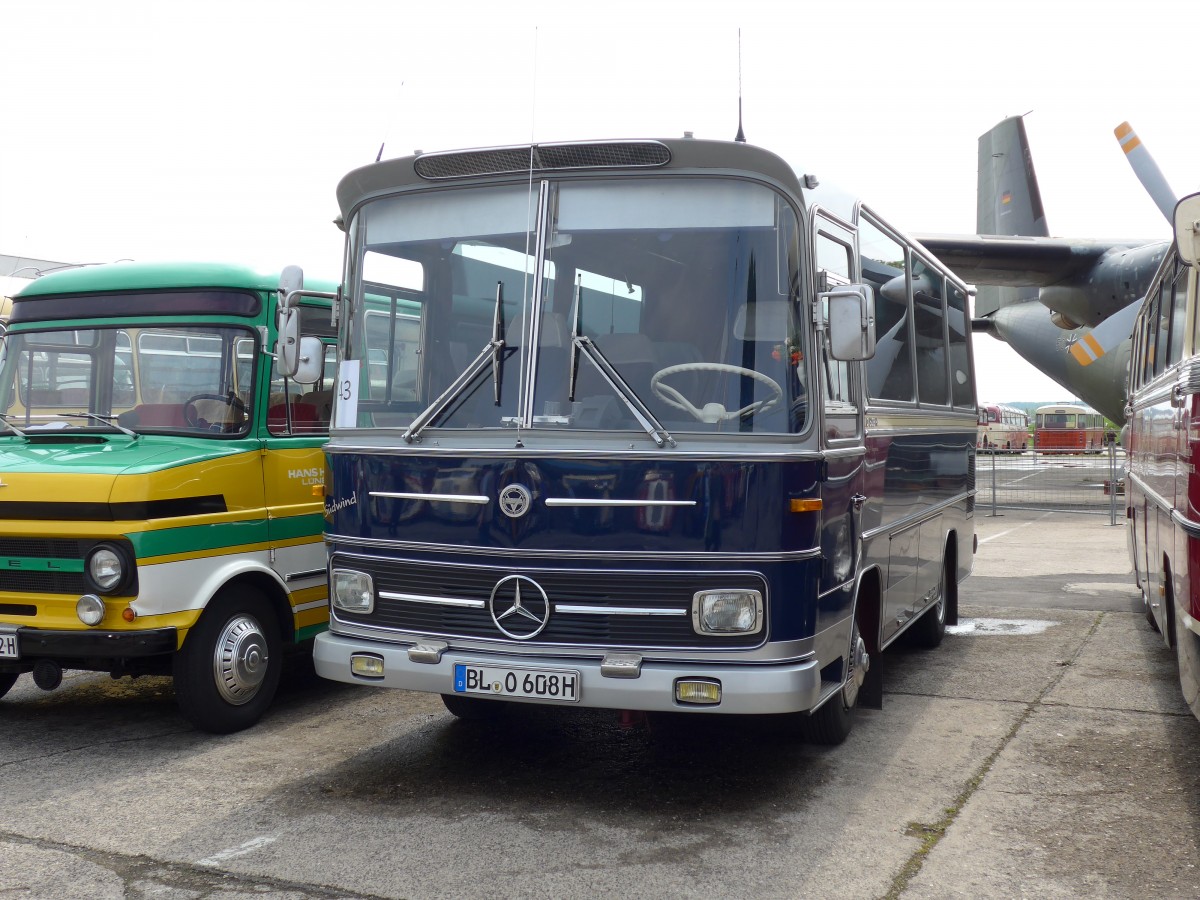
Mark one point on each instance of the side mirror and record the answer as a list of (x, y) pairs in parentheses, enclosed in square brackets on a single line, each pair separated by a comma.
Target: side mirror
[(311, 362), (1187, 228), (291, 279), (287, 321), (850, 319)]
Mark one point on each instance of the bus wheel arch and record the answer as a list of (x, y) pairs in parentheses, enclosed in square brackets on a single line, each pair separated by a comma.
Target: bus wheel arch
[(228, 669), (830, 723)]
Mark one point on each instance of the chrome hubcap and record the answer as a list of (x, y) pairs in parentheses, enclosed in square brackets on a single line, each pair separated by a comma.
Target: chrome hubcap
[(240, 660), (859, 664)]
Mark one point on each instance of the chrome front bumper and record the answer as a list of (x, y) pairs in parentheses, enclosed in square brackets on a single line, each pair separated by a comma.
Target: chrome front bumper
[(757, 689)]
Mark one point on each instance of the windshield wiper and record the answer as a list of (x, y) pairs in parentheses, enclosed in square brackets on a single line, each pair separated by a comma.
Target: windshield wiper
[(491, 354), (582, 344), (107, 420), (13, 428)]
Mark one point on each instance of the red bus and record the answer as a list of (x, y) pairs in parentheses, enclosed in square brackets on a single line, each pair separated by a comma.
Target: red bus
[(1002, 427), (1163, 446), (1068, 426)]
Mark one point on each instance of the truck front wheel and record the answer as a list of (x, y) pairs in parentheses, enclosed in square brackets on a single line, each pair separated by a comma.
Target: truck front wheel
[(228, 669)]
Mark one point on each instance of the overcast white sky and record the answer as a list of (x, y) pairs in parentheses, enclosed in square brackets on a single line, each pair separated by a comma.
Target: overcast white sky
[(157, 130)]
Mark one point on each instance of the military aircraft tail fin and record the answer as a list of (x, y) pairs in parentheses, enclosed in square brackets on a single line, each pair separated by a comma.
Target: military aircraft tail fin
[(1008, 201)]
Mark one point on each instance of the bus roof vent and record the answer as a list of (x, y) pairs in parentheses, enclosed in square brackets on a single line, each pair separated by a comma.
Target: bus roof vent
[(543, 158)]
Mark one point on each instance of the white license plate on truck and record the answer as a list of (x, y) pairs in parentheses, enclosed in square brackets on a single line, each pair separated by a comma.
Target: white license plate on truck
[(496, 681), (8, 646)]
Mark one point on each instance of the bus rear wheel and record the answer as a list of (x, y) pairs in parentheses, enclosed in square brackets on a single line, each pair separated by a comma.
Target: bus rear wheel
[(228, 669), (1187, 652), (831, 723), (927, 632)]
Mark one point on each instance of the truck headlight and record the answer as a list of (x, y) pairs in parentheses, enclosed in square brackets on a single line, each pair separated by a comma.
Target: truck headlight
[(90, 609), (107, 568), (727, 612), (352, 591)]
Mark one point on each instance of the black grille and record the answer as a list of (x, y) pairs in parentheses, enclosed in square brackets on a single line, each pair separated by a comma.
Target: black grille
[(38, 581), (18, 609), (55, 548), (43, 582), (543, 157), (640, 590)]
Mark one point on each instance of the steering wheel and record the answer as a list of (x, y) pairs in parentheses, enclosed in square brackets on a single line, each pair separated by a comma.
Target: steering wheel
[(192, 416), (713, 412)]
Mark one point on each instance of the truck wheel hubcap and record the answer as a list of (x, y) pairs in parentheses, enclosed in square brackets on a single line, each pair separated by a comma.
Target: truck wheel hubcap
[(240, 660)]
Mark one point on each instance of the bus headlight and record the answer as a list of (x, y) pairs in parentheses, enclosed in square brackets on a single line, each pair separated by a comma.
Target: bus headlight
[(352, 591), (107, 568), (727, 612)]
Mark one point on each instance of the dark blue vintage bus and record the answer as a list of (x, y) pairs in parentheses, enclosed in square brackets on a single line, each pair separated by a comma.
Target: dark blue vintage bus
[(642, 425)]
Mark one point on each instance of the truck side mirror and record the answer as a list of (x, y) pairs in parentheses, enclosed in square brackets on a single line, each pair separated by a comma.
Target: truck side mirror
[(851, 321), (1187, 228), (310, 365), (287, 318)]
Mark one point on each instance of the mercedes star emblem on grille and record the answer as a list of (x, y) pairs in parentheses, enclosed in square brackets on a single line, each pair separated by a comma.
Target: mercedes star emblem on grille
[(519, 607), (515, 500)]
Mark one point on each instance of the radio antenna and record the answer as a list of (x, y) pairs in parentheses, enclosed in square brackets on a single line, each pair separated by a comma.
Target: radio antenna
[(741, 135)]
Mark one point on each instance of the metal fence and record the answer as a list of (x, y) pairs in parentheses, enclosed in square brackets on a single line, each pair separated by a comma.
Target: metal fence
[(1053, 480)]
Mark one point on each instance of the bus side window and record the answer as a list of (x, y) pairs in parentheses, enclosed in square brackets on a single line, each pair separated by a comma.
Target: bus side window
[(929, 318), (833, 263), (1177, 290), (961, 393), (890, 371), (1150, 338)]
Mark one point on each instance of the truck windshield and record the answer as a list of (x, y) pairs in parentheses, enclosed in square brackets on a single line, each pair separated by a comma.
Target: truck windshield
[(664, 305), (195, 379)]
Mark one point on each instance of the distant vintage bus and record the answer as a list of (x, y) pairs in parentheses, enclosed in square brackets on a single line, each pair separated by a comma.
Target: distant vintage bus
[(1068, 426), (1002, 427), (649, 426), (1162, 441)]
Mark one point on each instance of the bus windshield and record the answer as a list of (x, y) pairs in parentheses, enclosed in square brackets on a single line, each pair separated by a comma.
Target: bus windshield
[(663, 304), (194, 379)]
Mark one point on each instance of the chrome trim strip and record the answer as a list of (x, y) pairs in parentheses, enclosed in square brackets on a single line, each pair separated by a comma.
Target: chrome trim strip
[(477, 499), (526, 452), (298, 576), (845, 453), (761, 654), (917, 518), (641, 555), (435, 601), (1190, 526), (566, 501), (316, 604), (1154, 496), (617, 610)]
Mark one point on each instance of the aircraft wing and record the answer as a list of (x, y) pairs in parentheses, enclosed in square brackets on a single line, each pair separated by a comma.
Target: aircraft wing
[(1017, 260)]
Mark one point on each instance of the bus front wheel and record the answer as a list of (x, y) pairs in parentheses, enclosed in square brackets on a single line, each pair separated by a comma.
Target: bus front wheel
[(7, 680), (831, 723), (228, 669)]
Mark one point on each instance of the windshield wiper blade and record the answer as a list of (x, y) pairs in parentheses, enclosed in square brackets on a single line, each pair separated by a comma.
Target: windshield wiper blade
[(621, 388), (582, 344), (489, 355), (107, 420), (13, 428)]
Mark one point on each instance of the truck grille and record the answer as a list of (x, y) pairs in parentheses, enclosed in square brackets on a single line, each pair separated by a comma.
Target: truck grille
[(611, 590)]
